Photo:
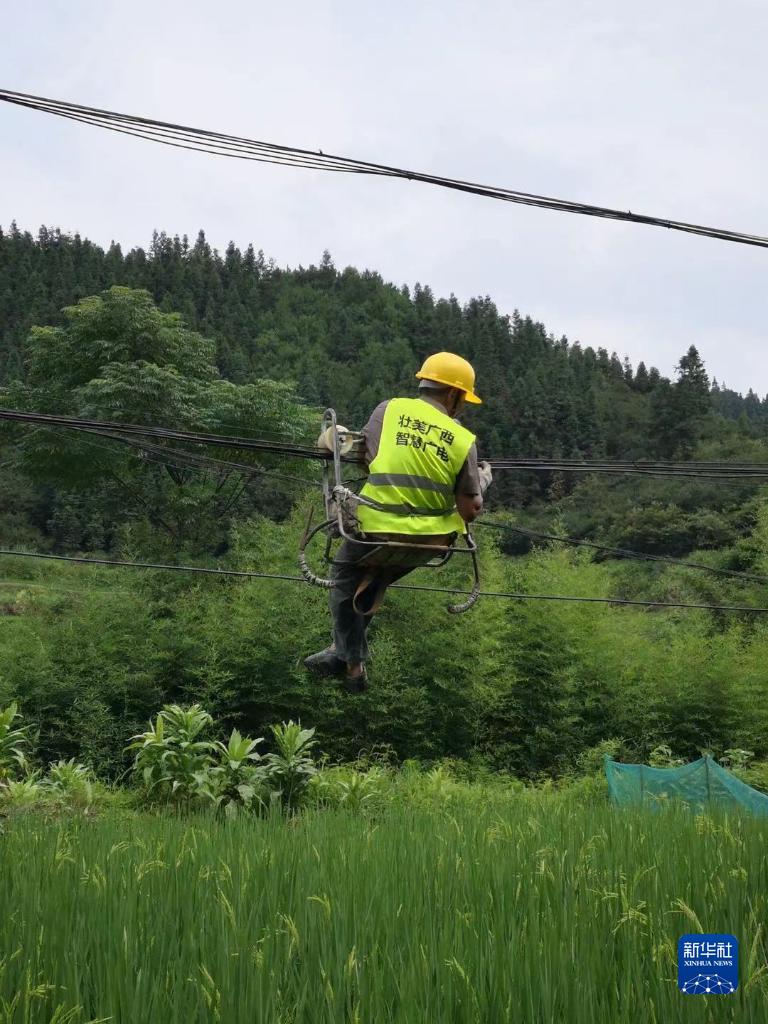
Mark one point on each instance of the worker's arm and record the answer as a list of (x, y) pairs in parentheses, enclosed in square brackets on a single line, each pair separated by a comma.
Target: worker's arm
[(372, 432), (470, 487)]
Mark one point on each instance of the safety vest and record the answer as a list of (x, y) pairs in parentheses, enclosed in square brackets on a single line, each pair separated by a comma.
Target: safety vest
[(421, 453)]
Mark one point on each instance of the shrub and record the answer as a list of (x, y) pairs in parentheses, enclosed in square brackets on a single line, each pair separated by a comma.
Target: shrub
[(69, 783), (346, 786), (237, 781), (591, 761), (173, 764), (662, 757), (21, 794), (172, 761), (290, 769)]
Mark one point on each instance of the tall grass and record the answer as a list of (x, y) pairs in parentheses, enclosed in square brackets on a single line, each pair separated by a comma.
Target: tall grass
[(495, 907)]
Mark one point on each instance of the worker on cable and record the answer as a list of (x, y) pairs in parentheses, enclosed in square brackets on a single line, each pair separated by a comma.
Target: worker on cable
[(421, 458)]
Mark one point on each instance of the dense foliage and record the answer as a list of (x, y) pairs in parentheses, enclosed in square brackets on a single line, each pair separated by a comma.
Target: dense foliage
[(90, 654), (348, 339), (118, 358), (90, 657)]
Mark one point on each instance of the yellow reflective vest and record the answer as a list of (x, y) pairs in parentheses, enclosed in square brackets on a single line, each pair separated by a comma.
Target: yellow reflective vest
[(421, 453)]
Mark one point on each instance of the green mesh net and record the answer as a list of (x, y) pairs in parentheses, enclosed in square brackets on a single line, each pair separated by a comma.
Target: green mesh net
[(702, 784)]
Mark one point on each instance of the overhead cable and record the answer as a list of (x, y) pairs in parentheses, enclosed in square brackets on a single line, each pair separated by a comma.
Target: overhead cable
[(640, 467), (513, 596), (178, 459), (195, 437), (623, 552), (120, 431), (237, 147)]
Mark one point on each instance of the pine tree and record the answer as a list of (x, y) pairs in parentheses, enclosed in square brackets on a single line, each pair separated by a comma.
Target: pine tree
[(642, 379)]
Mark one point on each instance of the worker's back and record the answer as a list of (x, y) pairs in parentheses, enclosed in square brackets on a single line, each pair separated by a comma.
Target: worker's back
[(417, 454)]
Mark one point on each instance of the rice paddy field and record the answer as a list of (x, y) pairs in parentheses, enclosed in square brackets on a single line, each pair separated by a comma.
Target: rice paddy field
[(482, 906)]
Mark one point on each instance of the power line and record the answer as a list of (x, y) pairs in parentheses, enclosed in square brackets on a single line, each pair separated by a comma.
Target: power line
[(176, 458), (165, 433), (695, 471), (232, 146), (119, 431), (197, 461), (159, 454), (625, 552), (248, 574)]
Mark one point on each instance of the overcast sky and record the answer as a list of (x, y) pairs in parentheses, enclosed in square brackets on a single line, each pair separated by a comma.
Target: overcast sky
[(656, 107)]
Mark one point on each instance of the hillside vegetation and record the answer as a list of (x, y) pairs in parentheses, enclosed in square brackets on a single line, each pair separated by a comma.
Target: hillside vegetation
[(184, 337)]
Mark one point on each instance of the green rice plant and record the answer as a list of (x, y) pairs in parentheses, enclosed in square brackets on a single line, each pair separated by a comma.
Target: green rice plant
[(437, 785), (171, 760), (290, 769), (237, 781), (13, 740), (493, 908)]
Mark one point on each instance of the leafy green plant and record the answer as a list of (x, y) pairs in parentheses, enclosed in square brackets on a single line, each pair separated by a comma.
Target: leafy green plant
[(172, 761), (290, 769), (21, 794), (662, 757), (237, 781), (345, 786), (439, 783), (72, 783), (590, 761), (737, 759), (13, 740)]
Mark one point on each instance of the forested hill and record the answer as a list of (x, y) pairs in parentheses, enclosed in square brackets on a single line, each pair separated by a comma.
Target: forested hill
[(348, 339)]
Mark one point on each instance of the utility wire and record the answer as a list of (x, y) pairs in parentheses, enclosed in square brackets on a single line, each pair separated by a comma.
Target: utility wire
[(699, 470), (196, 460), (164, 456), (176, 458), (247, 574), (201, 462), (216, 440), (624, 552), (648, 465), (220, 144)]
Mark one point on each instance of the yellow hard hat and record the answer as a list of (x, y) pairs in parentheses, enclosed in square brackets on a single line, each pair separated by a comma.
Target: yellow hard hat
[(451, 370)]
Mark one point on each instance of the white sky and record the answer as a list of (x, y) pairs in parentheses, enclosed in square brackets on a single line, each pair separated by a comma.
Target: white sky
[(658, 108)]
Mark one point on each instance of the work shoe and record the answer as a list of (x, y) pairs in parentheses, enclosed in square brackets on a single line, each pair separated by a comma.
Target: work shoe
[(325, 663), (357, 683)]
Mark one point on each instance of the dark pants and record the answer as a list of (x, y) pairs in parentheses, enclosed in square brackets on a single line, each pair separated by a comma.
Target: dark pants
[(350, 628)]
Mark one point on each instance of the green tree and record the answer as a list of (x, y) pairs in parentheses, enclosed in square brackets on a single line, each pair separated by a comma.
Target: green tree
[(119, 358)]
